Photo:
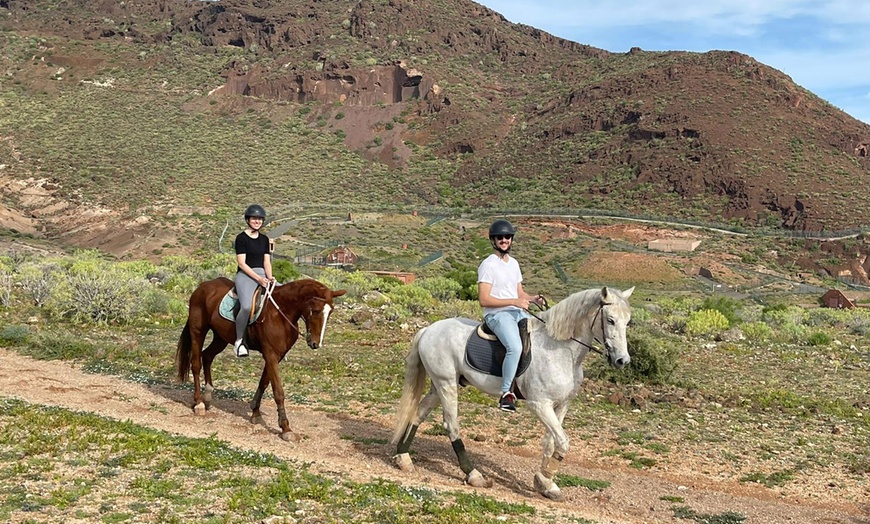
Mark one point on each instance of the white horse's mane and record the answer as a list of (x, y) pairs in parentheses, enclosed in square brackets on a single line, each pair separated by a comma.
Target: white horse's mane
[(562, 320)]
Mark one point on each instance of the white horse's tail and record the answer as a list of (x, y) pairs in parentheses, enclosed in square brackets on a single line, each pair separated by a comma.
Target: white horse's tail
[(412, 391)]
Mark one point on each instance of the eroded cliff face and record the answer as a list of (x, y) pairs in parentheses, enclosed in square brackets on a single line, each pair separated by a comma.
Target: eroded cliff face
[(337, 83)]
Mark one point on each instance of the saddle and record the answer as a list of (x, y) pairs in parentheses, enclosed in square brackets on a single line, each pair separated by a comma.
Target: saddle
[(485, 353), (230, 306)]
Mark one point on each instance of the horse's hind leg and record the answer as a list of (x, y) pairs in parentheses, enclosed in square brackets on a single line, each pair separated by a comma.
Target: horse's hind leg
[(554, 447), (427, 404), (450, 403), (208, 355), (256, 416)]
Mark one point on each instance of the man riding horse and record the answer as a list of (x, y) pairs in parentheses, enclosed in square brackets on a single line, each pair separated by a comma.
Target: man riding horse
[(500, 292)]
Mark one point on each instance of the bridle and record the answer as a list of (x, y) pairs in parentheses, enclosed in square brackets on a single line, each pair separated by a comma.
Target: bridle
[(598, 314)]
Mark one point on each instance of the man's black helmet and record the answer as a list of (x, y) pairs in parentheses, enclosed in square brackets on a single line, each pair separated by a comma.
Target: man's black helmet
[(255, 210), (501, 227)]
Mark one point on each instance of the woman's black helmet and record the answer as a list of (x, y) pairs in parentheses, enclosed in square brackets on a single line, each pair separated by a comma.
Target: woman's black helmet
[(255, 210), (501, 227)]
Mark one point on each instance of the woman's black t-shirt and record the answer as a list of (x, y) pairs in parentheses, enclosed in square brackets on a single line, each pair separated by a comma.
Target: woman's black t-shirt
[(255, 249)]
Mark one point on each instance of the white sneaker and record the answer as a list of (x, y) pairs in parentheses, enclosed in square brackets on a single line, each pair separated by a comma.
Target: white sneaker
[(241, 350)]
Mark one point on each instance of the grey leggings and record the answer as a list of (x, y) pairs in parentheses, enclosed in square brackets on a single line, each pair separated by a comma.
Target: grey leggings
[(245, 287)]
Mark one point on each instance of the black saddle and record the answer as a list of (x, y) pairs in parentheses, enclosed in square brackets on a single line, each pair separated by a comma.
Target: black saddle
[(485, 353)]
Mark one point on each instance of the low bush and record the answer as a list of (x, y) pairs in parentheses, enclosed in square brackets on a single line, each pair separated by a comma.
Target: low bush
[(706, 322)]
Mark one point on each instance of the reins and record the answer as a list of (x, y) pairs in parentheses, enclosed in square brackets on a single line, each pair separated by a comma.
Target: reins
[(269, 288), (584, 344)]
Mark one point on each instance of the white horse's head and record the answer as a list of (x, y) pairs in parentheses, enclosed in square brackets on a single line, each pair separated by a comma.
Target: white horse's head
[(612, 320), (594, 315)]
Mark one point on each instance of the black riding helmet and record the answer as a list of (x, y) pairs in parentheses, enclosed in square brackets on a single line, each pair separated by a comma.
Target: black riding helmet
[(501, 227), (255, 210)]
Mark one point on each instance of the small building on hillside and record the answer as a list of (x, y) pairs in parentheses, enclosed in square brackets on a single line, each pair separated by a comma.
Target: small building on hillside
[(341, 256), (835, 298), (684, 245)]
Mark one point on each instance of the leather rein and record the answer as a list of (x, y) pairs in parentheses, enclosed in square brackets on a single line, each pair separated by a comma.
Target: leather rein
[(269, 289)]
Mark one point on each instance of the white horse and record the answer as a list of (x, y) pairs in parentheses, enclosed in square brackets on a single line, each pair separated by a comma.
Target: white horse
[(561, 337)]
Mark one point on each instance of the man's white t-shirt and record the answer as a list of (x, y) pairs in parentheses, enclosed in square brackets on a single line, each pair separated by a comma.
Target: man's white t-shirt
[(504, 276)]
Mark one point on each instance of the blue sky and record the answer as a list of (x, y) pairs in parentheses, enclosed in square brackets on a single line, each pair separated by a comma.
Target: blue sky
[(822, 46)]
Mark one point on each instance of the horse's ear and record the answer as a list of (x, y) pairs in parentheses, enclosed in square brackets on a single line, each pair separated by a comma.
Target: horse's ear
[(604, 294), (338, 293), (627, 293)]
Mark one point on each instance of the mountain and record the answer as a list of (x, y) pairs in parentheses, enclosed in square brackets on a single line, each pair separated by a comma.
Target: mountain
[(157, 111)]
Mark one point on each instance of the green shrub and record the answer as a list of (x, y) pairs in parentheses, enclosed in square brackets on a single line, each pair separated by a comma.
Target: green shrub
[(723, 304), (37, 281), (97, 293), (396, 312), (653, 361), (858, 322), (819, 339), (441, 288), (284, 271), (785, 317), (467, 279), (51, 345), (757, 332), (706, 322), (413, 298), (14, 334)]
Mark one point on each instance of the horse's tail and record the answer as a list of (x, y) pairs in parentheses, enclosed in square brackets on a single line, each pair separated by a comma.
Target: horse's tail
[(412, 391), (182, 354)]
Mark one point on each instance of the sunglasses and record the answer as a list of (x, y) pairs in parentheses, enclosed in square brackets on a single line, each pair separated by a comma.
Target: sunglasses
[(503, 237)]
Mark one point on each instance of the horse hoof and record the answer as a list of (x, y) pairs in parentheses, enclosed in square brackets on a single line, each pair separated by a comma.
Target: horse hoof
[(199, 409), (257, 419), (289, 436), (476, 479), (403, 462), (548, 488)]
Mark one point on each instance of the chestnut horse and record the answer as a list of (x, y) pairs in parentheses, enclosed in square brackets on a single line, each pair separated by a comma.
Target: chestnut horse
[(273, 334)]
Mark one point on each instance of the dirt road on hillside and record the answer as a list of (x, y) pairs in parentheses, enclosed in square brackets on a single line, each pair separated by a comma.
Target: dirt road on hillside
[(634, 497)]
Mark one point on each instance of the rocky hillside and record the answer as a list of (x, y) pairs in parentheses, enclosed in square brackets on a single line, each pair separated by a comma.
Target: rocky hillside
[(142, 106)]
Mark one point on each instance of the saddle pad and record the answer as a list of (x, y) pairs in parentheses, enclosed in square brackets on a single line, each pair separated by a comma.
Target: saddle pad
[(230, 306), (487, 356)]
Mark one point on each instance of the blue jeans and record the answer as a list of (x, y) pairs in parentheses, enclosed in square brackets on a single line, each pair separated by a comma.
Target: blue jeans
[(504, 325)]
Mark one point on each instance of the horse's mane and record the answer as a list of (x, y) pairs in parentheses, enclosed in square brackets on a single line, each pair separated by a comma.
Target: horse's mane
[(302, 287), (561, 320)]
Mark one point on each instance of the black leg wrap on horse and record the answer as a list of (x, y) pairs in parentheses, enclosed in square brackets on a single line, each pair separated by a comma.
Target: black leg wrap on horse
[(405, 444), (464, 462)]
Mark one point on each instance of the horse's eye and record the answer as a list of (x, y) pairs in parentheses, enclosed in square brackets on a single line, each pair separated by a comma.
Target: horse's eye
[(611, 321)]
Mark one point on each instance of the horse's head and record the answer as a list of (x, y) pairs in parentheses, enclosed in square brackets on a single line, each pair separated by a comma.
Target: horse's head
[(615, 313), (316, 313)]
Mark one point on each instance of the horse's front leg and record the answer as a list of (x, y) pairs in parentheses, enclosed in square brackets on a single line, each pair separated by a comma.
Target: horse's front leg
[(270, 372), (449, 403), (554, 446)]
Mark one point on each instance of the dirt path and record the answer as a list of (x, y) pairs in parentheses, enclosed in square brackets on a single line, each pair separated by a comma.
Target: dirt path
[(332, 443)]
